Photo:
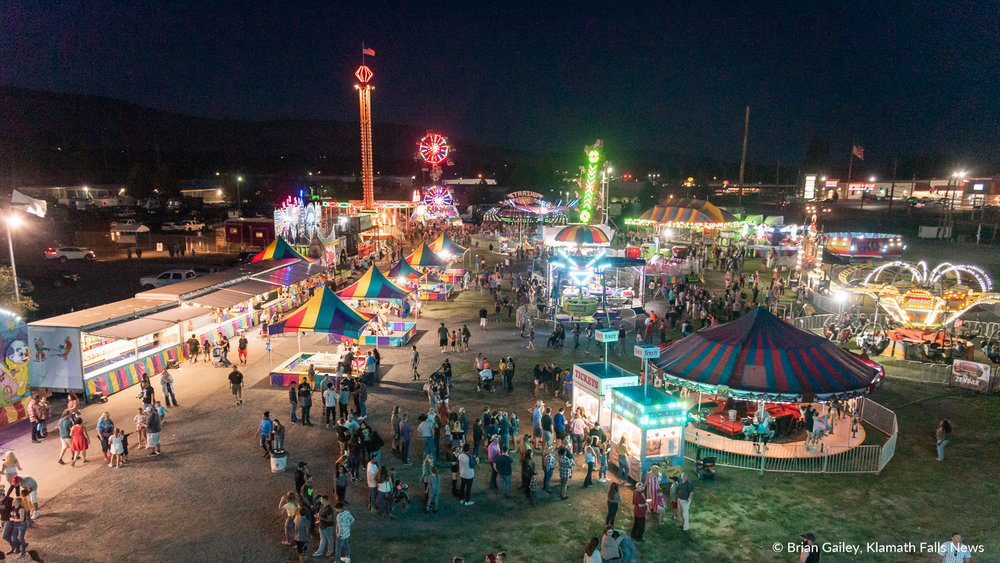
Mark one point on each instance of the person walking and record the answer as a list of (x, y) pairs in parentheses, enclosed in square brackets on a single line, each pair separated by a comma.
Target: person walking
[(302, 524), (167, 386), (466, 335), (105, 429), (330, 397), (236, 383), (443, 338), (614, 499), (293, 400), (531, 337), (194, 348), (685, 494), (943, 430), (639, 507), (467, 472), (954, 551), (80, 443), (483, 314), (65, 426), (35, 417), (405, 433), (433, 490), (590, 454), (305, 402), (504, 465), (344, 521), (566, 464), (371, 475), (414, 362), (383, 486), (265, 431), (241, 349)]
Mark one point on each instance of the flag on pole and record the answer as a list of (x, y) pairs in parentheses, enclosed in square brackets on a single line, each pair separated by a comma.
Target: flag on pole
[(28, 204), (369, 52), (858, 151)]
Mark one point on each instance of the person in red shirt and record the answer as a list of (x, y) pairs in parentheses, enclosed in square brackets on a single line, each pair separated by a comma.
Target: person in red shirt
[(639, 507)]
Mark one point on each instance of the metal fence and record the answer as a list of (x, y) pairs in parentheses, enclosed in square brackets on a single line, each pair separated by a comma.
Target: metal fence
[(910, 370), (797, 458), (812, 322), (985, 329)]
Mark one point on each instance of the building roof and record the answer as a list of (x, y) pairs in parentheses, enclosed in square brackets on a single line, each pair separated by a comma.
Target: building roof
[(203, 284), (104, 315)]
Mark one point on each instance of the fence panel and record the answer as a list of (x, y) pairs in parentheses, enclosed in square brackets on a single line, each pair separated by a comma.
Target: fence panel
[(888, 450)]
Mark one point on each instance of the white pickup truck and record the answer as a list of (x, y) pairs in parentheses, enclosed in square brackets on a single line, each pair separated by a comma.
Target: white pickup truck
[(166, 278)]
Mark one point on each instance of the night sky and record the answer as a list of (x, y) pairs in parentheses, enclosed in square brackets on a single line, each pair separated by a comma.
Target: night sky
[(903, 78)]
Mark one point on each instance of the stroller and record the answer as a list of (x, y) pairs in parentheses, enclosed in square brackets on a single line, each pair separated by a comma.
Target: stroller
[(218, 358), (399, 495), (705, 467), (486, 382)]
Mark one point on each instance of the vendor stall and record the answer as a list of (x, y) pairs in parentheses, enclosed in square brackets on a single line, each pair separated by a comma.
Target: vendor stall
[(592, 382), (405, 274), (324, 312), (447, 248), (375, 290), (424, 257), (435, 289), (651, 424), (296, 369), (278, 250)]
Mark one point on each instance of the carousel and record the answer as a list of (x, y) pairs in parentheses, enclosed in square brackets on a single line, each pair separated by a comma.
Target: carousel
[(375, 294), (758, 379)]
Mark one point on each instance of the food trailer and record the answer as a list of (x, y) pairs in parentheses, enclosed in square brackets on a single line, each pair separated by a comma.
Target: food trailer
[(592, 381), (651, 422)]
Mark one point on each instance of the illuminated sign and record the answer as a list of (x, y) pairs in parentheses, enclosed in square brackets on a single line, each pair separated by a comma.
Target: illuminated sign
[(607, 335), (861, 186), (978, 187), (646, 352), (590, 182), (809, 192), (832, 183)]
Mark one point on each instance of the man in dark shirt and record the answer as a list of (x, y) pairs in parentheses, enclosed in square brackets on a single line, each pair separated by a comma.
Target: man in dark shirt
[(242, 349), (194, 347), (236, 382), (504, 466), (327, 518), (546, 424), (153, 426), (443, 337)]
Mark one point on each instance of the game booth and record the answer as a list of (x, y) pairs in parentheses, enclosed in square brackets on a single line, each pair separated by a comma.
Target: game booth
[(651, 423), (452, 252), (376, 295), (432, 288), (756, 372), (325, 313), (592, 383)]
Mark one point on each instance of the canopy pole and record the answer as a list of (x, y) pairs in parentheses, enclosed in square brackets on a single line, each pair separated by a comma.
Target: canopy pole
[(298, 339)]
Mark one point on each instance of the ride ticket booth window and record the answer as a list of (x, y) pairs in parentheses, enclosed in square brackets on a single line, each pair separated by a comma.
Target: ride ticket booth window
[(652, 424), (592, 381)]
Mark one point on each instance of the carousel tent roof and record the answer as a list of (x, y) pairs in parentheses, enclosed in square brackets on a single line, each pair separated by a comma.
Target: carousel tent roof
[(759, 356), (424, 257), (403, 269), (683, 210), (444, 243), (277, 250), (374, 285), (324, 312), (582, 234)]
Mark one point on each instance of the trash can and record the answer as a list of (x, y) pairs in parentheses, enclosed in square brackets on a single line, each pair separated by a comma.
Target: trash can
[(278, 461)]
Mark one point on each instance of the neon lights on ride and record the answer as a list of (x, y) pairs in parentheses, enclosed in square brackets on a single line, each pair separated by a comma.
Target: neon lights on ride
[(590, 181), (434, 148), (580, 274)]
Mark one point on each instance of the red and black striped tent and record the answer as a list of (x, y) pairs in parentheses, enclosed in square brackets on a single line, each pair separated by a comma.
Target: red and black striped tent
[(761, 357)]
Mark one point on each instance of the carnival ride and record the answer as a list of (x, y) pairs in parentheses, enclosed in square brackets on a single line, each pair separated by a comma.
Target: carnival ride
[(437, 201), (864, 246), (529, 207)]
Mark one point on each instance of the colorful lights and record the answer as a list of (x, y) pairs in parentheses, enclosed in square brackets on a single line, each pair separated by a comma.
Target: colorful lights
[(364, 75), (433, 148), (590, 181)]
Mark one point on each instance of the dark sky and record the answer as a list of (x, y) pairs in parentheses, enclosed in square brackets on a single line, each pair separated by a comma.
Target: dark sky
[(903, 78)]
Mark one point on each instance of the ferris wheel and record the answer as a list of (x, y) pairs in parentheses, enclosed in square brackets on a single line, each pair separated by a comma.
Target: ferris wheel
[(434, 148)]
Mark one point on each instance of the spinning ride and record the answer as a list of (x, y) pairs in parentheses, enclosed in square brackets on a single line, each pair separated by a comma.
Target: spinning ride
[(437, 201)]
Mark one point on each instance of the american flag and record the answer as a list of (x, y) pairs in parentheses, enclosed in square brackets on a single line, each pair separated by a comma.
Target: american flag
[(369, 52), (858, 151)]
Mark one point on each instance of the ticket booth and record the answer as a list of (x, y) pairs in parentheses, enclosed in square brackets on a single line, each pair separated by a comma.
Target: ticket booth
[(592, 381), (652, 423)]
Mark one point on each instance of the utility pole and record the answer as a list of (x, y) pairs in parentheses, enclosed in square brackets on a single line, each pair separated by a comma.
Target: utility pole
[(892, 188), (743, 159)]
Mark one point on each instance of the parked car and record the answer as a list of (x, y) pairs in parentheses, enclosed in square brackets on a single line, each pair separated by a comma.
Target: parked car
[(166, 278), (190, 225), (205, 270), (66, 253)]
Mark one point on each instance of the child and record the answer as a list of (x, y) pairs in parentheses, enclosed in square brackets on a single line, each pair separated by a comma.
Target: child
[(433, 490), (163, 412), (341, 482), (454, 341), (124, 457), (277, 436), (140, 426), (116, 448)]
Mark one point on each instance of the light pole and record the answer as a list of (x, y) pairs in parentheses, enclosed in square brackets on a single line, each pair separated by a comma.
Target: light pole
[(239, 199), (13, 221)]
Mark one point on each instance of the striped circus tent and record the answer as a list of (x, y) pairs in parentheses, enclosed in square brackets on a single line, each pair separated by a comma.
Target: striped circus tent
[(684, 210), (278, 250), (374, 286), (761, 357), (424, 257), (403, 270), (582, 234), (324, 312), (445, 244)]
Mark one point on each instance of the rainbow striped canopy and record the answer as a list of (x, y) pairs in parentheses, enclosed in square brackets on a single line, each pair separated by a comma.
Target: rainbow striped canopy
[(424, 257), (761, 357), (582, 234), (685, 210), (403, 269), (277, 250), (374, 286), (444, 243), (324, 312)]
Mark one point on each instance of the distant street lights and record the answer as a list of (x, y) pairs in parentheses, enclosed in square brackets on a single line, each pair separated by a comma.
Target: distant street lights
[(239, 199)]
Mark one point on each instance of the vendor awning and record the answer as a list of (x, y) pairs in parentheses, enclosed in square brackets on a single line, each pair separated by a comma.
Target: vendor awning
[(178, 314), (221, 299), (291, 274), (252, 287), (276, 250), (403, 270), (424, 257), (374, 285), (444, 244), (324, 312), (131, 330)]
